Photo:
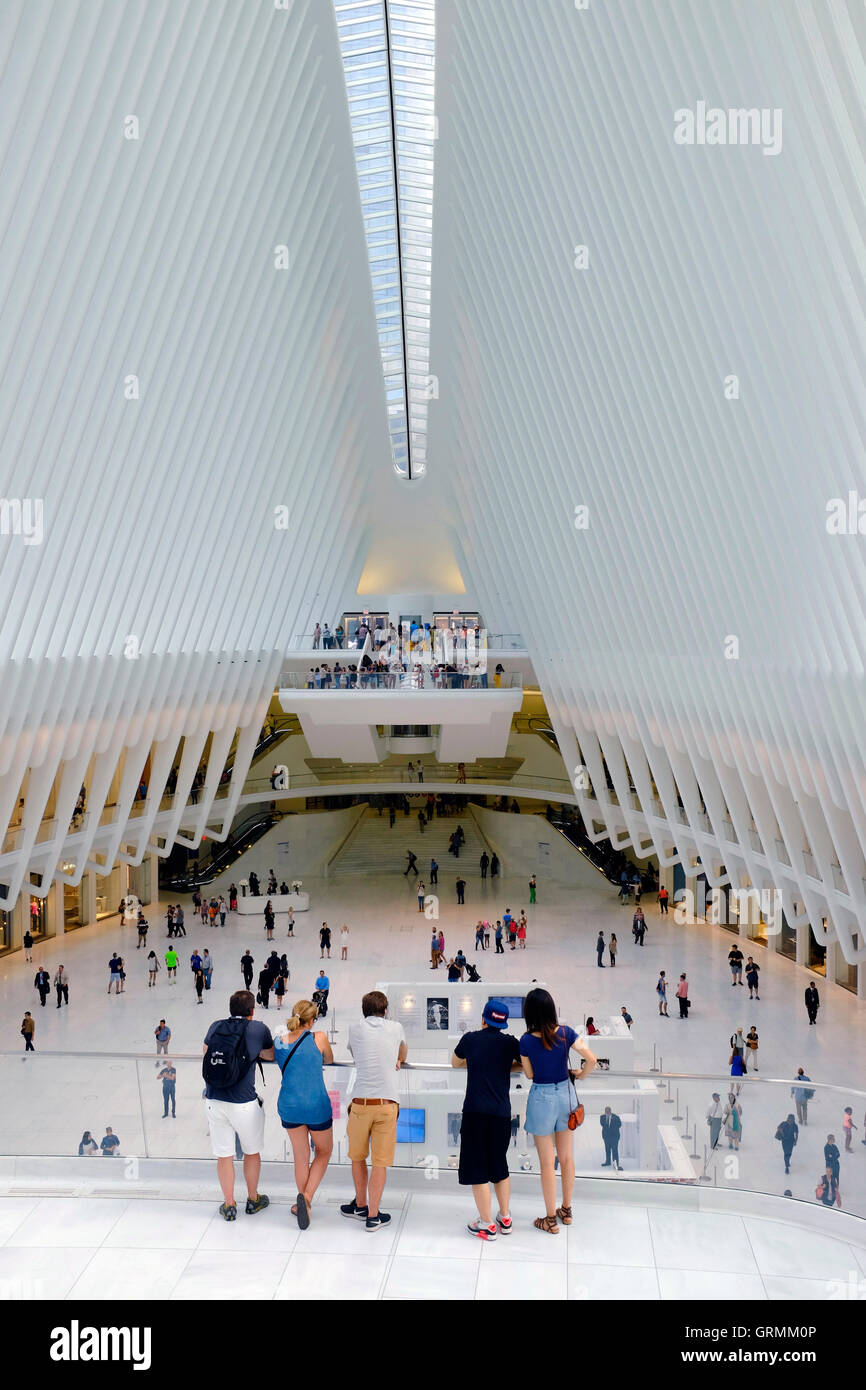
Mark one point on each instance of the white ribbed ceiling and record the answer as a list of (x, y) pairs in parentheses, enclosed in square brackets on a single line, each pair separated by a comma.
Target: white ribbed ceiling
[(604, 387)]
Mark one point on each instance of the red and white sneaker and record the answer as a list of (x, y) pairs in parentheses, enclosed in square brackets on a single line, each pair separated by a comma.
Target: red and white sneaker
[(477, 1228), (505, 1224)]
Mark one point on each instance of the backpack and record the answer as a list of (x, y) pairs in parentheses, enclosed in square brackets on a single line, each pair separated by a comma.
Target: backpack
[(227, 1058)]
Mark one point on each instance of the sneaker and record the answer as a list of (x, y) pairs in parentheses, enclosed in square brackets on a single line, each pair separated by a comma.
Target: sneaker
[(477, 1228), (258, 1205), (229, 1212), (375, 1222), (505, 1224), (352, 1209)]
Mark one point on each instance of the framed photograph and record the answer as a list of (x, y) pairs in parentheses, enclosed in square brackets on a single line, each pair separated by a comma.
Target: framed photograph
[(437, 1015)]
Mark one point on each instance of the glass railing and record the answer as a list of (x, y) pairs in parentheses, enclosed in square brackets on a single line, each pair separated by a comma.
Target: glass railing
[(307, 642), (671, 1127), (413, 678)]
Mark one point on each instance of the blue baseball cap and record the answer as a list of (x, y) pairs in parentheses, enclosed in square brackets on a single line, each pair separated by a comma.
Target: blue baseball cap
[(495, 1014)]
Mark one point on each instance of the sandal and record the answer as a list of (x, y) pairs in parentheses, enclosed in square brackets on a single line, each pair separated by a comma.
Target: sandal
[(564, 1214), (546, 1223)]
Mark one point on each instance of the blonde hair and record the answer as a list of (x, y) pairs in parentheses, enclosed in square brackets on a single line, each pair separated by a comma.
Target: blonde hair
[(303, 1012)]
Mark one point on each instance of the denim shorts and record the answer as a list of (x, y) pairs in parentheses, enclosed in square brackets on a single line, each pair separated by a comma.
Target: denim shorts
[(548, 1107)]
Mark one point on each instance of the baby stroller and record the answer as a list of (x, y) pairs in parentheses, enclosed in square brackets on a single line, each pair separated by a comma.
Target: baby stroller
[(320, 999), (472, 974)]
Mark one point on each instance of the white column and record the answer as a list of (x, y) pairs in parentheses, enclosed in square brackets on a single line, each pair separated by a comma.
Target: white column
[(88, 898)]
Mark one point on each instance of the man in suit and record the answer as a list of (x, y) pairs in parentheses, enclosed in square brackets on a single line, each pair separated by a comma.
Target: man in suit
[(812, 1003), (599, 950), (610, 1127)]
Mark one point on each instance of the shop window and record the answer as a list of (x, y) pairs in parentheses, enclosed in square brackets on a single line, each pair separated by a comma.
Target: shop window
[(5, 930), (71, 906), (846, 975), (817, 960), (788, 940), (38, 916)]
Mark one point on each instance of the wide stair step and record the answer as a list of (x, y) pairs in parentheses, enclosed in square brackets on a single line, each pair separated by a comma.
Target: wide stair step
[(376, 848)]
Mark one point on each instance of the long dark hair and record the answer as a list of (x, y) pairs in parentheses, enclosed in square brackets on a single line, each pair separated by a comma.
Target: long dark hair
[(539, 1015)]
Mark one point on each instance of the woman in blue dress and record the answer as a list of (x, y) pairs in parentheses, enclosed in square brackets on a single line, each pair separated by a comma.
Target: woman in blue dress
[(304, 1105)]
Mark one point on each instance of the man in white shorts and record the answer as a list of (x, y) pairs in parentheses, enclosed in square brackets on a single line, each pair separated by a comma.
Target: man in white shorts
[(232, 1047)]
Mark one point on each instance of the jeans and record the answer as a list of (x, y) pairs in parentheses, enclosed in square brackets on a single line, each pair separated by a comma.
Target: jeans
[(162, 1047), (28, 1043), (499, 947), (802, 1109)]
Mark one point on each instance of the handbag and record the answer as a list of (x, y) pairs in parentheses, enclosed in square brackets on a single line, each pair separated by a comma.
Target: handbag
[(578, 1114)]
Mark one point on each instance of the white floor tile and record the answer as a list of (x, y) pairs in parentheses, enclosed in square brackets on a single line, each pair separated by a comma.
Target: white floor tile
[(130, 1274), (14, 1210), (611, 1283), (701, 1240), (158, 1225), (503, 1280), (272, 1230), (784, 1250), (610, 1235), (787, 1288), (46, 1273), (68, 1221), (441, 1280), (310, 1277), (682, 1285), (248, 1275)]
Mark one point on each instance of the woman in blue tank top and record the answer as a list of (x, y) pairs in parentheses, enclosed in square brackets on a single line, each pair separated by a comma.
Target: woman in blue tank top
[(304, 1105)]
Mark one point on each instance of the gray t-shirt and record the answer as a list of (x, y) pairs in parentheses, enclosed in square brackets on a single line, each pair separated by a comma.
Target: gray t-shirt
[(258, 1040)]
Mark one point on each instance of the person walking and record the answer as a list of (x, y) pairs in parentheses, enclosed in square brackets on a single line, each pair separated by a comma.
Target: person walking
[(344, 942), (168, 1077), (152, 968), (532, 887), (500, 950), (412, 864), (787, 1133), (378, 1048), (303, 1105), (265, 982), (611, 1125), (162, 1033), (831, 1156), (735, 961), (434, 950), (752, 1048), (207, 968), (143, 926), (323, 988), (461, 888), (752, 971), (291, 930), (279, 989), (544, 1050), (28, 1028), (247, 963), (733, 1121), (612, 947), (42, 983), (434, 872), (27, 941), (662, 992), (179, 928), (489, 1054), (848, 1127), (114, 967), (813, 1003), (223, 909), (714, 1119), (171, 960), (683, 996), (484, 863), (638, 926), (198, 978), (324, 941), (599, 950), (232, 1047), (663, 901), (61, 985), (801, 1095)]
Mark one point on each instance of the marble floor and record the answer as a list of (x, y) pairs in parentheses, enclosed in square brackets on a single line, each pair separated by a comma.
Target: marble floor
[(49, 1102), (110, 1247)]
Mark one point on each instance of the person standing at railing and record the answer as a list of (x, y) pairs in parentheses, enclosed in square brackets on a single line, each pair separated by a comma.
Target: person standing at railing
[(339, 634), (714, 1119), (304, 1105), (489, 1055), (317, 637), (378, 1047)]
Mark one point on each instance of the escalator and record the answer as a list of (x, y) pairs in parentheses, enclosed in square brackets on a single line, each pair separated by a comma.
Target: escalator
[(186, 869)]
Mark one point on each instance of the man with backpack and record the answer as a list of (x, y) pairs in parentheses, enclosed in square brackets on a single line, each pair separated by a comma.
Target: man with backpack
[(232, 1047)]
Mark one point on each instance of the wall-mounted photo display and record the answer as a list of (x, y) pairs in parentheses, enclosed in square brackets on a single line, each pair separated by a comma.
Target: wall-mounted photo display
[(437, 1014)]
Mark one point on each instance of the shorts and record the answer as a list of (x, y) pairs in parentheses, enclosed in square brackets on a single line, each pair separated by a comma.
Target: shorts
[(228, 1118), (115, 976), (735, 968), (484, 1141), (373, 1128), (548, 1108), (304, 1124)]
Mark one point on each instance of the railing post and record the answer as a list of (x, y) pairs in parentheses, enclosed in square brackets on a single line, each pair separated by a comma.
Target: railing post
[(686, 1134), (677, 1116), (654, 1067), (669, 1100)]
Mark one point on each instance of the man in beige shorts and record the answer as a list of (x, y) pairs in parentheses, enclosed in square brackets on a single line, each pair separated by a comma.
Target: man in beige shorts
[(378, 1046)]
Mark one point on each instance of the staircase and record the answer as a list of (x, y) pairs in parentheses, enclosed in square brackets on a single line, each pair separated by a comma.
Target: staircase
[(375, 848)]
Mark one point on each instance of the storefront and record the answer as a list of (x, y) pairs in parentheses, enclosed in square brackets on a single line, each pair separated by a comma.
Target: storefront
[(110, 889), (817, 957), (846, 975), (71, 906), (5, 931), (38, 916), (787, 940)]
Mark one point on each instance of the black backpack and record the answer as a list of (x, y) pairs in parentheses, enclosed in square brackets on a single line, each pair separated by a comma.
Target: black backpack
[(227, 1058)]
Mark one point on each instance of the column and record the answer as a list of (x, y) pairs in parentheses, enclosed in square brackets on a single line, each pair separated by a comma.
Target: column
[(88, 898)]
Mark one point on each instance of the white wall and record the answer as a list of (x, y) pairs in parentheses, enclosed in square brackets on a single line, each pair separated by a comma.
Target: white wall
[(516, 840), (312, 839)]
